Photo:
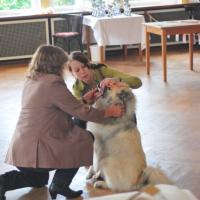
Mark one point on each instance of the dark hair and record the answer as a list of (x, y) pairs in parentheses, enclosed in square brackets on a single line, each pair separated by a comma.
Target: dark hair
[(47, 59), (79, 56)]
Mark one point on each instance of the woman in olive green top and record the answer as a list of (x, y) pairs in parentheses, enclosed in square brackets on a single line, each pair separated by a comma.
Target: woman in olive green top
[(89, 75)]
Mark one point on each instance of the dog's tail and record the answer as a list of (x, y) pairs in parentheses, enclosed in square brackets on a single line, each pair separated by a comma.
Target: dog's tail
[(152, 175)]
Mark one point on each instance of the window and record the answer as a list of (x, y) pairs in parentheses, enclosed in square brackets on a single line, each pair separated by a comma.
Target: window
[(85, 5), (63, 2), (70, 5), (13, 5), (16, 6)]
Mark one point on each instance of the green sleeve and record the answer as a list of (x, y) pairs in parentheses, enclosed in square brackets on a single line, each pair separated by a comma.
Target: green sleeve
[(133, 81), (77, 90)]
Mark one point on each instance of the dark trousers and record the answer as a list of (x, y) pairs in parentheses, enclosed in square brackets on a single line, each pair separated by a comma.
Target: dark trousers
[(33, 177), (82, 124)]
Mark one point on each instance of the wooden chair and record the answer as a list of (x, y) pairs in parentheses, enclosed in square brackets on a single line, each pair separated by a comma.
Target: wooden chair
[(74, 23)]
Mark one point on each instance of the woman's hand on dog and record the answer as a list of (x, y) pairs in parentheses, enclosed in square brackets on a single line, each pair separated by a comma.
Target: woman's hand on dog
[(116, 110), (112, 83), (91, 96), (107, 82)]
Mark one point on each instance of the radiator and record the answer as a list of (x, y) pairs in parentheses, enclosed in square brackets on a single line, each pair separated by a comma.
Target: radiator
[(19, 39)]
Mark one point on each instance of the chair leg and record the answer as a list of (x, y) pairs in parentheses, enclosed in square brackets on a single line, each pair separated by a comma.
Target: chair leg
[(80, 44), (68, 46), (54, 41)]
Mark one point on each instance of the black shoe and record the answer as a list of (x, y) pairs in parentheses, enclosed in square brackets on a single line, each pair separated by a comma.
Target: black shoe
[(55, 189)]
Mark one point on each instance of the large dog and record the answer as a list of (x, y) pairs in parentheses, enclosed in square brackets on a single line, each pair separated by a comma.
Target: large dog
[(119, 160)]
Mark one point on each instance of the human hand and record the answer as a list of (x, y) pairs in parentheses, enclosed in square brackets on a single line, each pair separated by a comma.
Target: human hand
[(112, 83), (114, 110), (108, 82), (91, 96)]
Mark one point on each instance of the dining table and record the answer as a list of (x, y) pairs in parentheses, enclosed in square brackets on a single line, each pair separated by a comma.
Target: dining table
[(115, 30), (164, 29)]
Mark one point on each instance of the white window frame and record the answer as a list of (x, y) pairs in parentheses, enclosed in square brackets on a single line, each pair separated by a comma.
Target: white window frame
[(85, 5), (138, 3), (80, 5), (134, 3)]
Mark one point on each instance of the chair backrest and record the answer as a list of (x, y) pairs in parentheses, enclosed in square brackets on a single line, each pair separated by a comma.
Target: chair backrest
[(197, 12), (74, 22), (193, 11)]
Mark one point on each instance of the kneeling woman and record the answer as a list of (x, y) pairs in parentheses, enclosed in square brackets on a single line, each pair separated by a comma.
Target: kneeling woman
[(45, 138)]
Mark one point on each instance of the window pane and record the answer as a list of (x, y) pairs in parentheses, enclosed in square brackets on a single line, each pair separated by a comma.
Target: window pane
[(17, 4), (63, 2)]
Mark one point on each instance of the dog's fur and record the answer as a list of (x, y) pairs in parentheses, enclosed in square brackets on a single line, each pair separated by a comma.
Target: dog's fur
[(119, 159)]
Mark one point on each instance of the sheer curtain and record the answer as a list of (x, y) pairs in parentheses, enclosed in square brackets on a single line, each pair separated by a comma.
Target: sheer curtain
[(151, 2)]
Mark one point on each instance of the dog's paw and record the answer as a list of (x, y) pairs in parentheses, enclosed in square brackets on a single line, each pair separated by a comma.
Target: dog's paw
[(93, 180), (89, 175), (100, 184)]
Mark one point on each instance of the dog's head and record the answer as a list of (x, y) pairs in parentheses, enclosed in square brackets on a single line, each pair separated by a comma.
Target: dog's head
[(117, 93)]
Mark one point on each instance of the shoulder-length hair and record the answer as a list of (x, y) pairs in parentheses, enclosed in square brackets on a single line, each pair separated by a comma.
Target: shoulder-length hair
[(47, 59)]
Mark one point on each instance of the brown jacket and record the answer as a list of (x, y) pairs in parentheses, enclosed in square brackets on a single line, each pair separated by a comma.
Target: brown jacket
[(45, 136)]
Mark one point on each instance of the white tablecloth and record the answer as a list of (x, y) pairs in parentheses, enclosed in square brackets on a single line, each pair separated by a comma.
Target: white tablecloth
[(117, 30), (167, 192)]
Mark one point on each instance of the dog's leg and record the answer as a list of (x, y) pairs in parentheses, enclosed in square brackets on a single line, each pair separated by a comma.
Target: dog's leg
[(90, 172), (97, 175)]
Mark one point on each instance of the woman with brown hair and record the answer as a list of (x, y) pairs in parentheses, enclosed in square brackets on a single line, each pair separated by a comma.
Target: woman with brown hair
[(45, 138), (88, 75)]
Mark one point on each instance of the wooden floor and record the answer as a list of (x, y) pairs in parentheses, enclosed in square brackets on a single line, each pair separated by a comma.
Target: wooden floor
[(167, 114)]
